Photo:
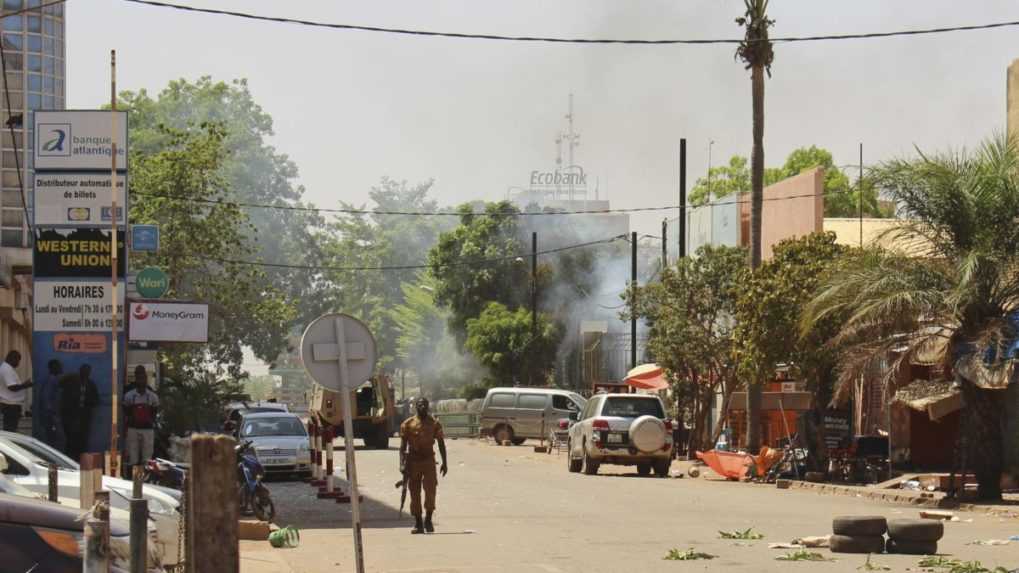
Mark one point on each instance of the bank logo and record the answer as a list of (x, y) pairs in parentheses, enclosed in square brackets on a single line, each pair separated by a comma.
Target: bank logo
[(140, 312), (54, 140), (83, 343)]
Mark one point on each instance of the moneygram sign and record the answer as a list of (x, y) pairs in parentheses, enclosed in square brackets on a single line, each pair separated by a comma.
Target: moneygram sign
[(168, 322), (79, 140)]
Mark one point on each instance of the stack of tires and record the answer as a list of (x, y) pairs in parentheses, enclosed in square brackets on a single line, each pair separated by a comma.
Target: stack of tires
[(914, 536), (858, 534)]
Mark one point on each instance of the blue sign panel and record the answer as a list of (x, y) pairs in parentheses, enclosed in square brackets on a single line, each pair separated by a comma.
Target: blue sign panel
[(145, 238)]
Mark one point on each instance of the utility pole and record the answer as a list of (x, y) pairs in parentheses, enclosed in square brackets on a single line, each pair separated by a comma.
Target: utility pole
[(859, 186), (665, 243), (114, 465), (534, 300), (633, 303), (682, 198)]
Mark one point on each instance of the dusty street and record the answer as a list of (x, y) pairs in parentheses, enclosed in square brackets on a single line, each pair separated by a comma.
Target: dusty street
[(507, 509)]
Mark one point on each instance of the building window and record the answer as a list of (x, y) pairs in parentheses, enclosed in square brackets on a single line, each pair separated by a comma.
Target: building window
[(11, 198), (15, 62), (35, 24), (13, 41), (10, 143), (47, 26), (34, 83), (11, 238), (34, 63), (34, 43), (48, 65), (13, 4), (34, 101), (13, 23), (9, 159), (49, 46), (47, 84), (9, 179), (12, 218)]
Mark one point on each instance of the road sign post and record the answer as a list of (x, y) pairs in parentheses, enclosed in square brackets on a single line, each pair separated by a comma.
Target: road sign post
[(338, 352)]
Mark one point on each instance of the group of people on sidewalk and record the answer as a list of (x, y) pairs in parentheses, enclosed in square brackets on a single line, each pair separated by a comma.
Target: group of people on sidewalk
[(66, 403)]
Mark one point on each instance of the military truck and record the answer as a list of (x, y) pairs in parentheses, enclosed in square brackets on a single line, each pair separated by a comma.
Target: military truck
[(375, 414)]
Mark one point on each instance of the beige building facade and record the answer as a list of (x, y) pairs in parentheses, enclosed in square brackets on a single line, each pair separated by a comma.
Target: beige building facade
[(1012, 91)]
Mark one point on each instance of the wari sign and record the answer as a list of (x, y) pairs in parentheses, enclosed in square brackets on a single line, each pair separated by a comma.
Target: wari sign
[(152, 283), (168, 322), (75, 306), (77, 199), (79, 140), (76, 253)]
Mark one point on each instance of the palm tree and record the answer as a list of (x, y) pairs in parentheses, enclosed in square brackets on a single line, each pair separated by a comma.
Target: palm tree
[(756, 52), (952, 290)]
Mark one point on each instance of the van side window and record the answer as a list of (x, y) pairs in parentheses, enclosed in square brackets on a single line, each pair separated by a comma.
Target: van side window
[(532, 401), (564, 403), (502, 400)]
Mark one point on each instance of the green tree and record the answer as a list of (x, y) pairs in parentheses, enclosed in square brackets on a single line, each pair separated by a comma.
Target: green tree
[(198, 243), (731, 179), (841, 198), (757, 54), (953, 292), (475, 264), (691, 314), (503, 341), (770, 309)]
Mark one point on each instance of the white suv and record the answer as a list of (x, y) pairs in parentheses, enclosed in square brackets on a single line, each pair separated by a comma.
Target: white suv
[(621, 429)]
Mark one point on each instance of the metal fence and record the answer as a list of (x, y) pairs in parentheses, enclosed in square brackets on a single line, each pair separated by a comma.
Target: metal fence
[(461, 425)]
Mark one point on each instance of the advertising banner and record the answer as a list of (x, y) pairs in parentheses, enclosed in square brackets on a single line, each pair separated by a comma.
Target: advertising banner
[(72, 351), (78, 253), (168, 322), (75, 306), (79, 140), (77, 199)]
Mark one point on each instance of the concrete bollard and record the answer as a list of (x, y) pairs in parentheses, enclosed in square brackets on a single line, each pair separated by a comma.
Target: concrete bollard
[(53, 482), (139, 525), (90, 479)]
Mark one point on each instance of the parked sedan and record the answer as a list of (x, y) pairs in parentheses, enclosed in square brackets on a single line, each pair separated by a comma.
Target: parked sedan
[(280, 441), (621, 429), (28, 462)]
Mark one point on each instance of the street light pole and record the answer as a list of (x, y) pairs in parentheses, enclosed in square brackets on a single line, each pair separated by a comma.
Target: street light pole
[(859, 187), (633, 304), (534, 297)]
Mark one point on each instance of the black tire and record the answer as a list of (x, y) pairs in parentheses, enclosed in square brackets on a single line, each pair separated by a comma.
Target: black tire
[(912, 547), (263, 506), (662, 468), (502, 434), (644, 469), (857, 544), (590, 466), (859, 525), (916, 530), (573, 465), (518, 441)]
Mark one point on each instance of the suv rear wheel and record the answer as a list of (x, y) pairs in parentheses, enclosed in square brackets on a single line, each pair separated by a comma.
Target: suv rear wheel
[(590, 466), (662, 468), (644, 469), (574, 465)]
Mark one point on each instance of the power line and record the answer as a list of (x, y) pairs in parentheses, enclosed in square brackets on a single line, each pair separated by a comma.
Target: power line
[(474, 262), (455, 213), (553, 40)]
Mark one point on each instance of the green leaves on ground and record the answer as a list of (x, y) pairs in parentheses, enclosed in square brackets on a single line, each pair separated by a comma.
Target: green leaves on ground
[(868, 566), (943, 564), (688, 555), (745, 534), (803, 555)]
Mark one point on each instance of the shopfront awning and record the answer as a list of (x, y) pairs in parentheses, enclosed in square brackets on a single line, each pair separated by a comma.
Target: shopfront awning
[(647, 377)]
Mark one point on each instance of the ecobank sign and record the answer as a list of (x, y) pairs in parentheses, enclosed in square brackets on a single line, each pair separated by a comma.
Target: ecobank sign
[(79, 140), (573, 175)]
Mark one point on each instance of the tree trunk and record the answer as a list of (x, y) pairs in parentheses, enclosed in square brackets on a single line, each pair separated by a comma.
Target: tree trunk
[(984, 438), (756, 204), (727, 390)]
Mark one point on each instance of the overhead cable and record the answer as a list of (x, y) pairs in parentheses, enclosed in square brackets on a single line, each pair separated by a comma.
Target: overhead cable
[(556, 40)]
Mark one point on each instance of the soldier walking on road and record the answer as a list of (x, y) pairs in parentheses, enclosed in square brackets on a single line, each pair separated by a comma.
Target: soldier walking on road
[(417, 462)]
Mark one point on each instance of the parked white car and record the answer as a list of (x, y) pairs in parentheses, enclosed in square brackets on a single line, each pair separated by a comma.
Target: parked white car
[(621, 429), (280, 441), (28, 462)]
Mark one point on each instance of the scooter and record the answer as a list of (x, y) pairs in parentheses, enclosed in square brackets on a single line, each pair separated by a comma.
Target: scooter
[(252, 493)]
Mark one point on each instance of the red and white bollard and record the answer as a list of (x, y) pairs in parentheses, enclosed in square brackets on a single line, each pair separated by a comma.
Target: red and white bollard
[(328, 491), (316, 471)]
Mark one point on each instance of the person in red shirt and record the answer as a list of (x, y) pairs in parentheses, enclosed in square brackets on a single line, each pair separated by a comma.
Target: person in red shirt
[(140, 407)]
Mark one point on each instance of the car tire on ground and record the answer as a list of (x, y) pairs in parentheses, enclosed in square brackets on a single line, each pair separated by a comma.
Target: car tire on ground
[(644, 469), (857, 544), (915, 530), (518, 441), (502, 434), (912, 547), (590, 466), (662, 468), (859, 525), (573, 465)]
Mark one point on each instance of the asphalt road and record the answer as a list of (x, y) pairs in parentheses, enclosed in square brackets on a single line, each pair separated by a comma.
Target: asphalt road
[(508, 509)]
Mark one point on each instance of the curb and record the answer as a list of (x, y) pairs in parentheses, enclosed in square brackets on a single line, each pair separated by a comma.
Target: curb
[(916, 499)]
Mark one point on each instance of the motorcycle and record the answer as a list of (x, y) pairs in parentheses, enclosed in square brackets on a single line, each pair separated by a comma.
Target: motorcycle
[(253, 496), (166, 473)]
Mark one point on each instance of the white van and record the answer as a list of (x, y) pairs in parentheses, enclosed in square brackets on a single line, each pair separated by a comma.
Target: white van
[(515, 414)]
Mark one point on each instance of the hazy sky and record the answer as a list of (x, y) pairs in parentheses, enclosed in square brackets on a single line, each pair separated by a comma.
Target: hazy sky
[(479, 116)]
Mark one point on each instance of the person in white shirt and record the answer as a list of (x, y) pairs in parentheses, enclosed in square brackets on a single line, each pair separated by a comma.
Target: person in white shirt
[(12, 391), (141, 406)]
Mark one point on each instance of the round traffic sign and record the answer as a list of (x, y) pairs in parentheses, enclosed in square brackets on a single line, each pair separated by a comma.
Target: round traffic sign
[(331, 338), (152, 282)]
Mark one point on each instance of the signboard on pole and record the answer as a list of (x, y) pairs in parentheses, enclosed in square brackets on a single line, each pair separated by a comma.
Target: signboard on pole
[(76, 253), (145, 238), (79, 140), (152, 282), (339, 352), (74, 306), (76, 199), (168, 322)]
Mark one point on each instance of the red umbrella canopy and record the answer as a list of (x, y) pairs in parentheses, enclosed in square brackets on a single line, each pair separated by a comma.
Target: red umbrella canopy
[(647, 377)]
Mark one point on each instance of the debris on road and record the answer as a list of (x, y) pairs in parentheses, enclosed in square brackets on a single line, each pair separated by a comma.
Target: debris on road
[(868, 566), (688, 555), (942, 515), (288, 536), (990, 542), (803, 555), (746, 534)]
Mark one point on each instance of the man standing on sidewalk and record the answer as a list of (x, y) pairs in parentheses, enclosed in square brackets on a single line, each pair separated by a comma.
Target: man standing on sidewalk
[(12, 391), (140, 406), (417, 462)]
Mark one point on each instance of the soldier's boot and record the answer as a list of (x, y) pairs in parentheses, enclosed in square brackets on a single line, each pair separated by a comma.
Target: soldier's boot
[(418, 527), (428, 523)]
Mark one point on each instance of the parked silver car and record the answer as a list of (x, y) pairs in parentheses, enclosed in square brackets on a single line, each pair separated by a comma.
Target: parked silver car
[(280, 441), (516, 414), (621, 429)]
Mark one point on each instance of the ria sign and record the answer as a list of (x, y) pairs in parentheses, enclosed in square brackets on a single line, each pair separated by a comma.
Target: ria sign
[(572, 175)]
